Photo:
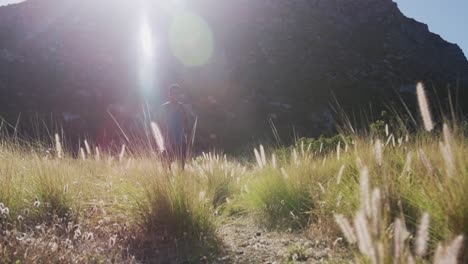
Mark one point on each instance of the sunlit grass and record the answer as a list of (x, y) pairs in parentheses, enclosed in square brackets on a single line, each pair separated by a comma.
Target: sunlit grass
[(130, 199)]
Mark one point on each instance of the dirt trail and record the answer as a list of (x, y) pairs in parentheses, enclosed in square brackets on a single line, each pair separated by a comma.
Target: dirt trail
[(245, 242)]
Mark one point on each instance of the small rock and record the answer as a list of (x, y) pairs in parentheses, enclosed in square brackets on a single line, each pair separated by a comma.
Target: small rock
[(259, 234)]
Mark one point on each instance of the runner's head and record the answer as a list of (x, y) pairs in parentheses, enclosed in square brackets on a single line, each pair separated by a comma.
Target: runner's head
[(175, 93)]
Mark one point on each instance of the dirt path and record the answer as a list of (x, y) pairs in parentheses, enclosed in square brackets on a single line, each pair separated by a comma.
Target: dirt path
[(245, 242)]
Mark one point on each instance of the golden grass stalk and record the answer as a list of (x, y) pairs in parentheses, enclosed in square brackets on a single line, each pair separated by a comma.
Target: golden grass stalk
[(258, 158), (98, 154), (338, 149), (295, 157), (447, 153), (273, 160), (88, 149), (364, 238), (407, 167), (58, 146), (122, 153), (83, 155), (262, 155), (422, 236), (448, 254), (448, 158), (364, 187), (424, 107), (346, 227), (378, 152), (425, 161), (376, 214), (398, 239), (158, 136), (340, 174)]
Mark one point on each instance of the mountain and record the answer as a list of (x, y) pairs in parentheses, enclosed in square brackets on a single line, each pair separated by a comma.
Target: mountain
[(242, 63)]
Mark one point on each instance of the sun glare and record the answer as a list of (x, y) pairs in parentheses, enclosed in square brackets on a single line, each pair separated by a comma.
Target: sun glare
[(148, 49), (147, 40)]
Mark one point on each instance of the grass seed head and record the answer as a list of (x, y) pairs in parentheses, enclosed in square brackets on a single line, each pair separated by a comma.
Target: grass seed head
[(262, 155), (295, 157), (376, 211), (424, 107), (447, 134), (98, 154), (399, 237), (448, 158), (58, 146), (258, 158), (363, 236), (122, 153), (407, 167), (422, 235), (338, 200), (83, 155), (378, 152), (346, 228), (158, 136), (453, 249), (302, 148), (340, 174), (364, 187), (338, 150), (425, 161), (449, 254), (273, 160), (88, 149)]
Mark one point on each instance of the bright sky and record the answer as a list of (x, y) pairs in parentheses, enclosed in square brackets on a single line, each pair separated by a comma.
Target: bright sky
[(6, 2), (447, 18)]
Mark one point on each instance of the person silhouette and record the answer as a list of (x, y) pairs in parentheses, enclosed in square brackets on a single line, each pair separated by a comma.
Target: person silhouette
[(175, 119)]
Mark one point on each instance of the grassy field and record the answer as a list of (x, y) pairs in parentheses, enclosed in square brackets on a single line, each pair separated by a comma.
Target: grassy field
[(387, 198)]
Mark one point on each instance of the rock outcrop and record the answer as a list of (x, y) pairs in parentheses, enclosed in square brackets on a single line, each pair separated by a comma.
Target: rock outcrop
[(244, 63)]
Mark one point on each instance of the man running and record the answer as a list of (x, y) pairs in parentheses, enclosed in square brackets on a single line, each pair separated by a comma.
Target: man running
[(174, 119)]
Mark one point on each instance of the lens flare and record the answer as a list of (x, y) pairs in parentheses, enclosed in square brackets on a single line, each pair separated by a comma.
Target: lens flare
[(191, 39)]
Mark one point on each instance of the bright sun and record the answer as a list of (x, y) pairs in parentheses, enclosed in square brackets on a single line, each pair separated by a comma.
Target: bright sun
[(147, 40)]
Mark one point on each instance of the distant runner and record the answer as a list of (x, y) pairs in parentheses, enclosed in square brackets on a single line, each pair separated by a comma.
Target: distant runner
[(175, 119)]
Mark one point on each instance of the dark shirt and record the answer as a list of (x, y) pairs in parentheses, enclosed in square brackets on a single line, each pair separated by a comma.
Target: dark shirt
[(174, 116)]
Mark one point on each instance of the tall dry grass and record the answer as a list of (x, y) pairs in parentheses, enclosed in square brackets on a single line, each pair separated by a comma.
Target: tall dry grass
[(395, 198)]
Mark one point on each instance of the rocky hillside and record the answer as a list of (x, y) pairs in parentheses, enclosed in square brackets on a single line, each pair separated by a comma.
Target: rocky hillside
[(241, 62)]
